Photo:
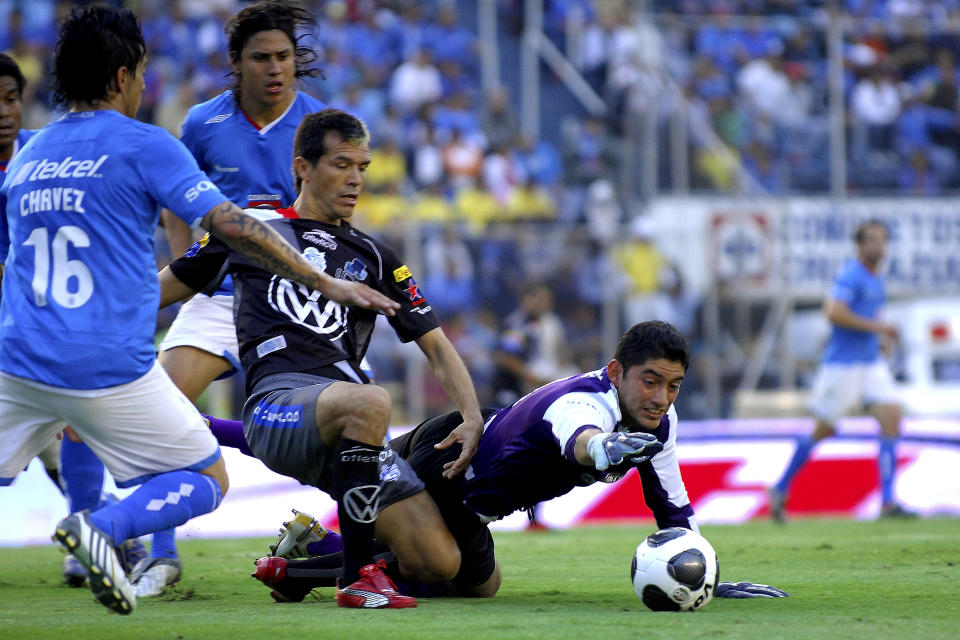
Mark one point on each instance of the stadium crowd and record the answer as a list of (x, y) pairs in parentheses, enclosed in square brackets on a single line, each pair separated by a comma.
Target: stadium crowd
[(497, 210)]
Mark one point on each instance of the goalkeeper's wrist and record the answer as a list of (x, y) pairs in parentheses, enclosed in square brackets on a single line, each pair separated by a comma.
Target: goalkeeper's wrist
[(597, 452)]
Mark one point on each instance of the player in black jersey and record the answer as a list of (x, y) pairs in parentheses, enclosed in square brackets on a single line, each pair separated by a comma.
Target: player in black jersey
[(310, 414)]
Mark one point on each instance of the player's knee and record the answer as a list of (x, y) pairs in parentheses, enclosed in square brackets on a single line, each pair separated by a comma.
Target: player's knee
[(218, 471), (368, 415), (438, 565)]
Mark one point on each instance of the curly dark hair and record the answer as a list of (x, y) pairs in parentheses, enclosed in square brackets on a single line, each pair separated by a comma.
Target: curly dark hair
[(288, 16), (94, 42)]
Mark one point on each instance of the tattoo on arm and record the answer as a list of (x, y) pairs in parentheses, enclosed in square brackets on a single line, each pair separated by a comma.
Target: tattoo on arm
[(261, 244)]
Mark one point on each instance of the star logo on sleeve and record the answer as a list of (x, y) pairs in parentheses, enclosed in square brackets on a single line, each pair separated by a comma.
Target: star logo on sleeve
[(413, 290)]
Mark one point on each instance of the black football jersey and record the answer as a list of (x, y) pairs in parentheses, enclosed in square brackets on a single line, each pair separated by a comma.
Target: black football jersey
[(284, 327)]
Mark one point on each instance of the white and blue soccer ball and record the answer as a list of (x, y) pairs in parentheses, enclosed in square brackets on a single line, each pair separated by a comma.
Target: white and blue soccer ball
[(675, 569)]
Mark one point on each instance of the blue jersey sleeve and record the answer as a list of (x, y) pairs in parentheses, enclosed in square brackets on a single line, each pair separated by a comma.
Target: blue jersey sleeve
[(845, 286), (175, 179), (4, 231)]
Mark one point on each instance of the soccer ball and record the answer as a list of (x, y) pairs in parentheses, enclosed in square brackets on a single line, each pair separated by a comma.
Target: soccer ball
[(675, 569)]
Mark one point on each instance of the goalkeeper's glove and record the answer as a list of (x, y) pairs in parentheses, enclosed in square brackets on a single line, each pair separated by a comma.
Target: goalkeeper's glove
[(610, 449), (748, 590)]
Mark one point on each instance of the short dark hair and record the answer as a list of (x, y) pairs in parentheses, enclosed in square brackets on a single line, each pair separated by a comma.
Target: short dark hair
[(861, 233), (94, 42), (288, 16), (650, 341), (308, 143), (9, 67)]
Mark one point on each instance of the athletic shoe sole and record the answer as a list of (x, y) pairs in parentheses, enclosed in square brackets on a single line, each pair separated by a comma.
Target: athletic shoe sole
[(97, 556)]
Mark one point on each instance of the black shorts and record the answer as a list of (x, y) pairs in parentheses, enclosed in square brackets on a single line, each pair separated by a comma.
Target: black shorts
[(472, 536), (280, 427)]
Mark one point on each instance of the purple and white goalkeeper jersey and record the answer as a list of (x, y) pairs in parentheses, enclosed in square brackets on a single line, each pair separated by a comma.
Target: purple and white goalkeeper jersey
[(526, 452)]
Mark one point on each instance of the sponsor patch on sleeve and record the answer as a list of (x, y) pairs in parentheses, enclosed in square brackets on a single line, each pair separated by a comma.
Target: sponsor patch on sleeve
[(401, 273)]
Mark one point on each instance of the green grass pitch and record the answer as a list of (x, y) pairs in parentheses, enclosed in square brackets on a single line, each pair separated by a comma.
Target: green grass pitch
[(847, 579)]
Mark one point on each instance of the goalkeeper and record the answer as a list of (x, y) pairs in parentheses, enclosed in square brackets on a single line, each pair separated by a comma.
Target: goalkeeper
[(573, 432)]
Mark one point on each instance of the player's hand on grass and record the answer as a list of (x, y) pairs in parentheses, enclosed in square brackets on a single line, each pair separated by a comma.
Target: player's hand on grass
[(748, 590), (357, 294), (610, 449), (468, 435)]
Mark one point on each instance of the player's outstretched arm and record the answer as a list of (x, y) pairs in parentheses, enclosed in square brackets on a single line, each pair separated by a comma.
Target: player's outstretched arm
[(172, 288), (456, 382), (605, 450), (263, 246)]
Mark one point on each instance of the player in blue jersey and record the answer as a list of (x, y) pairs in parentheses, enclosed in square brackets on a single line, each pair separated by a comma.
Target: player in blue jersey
[(311, 414), (80, 205), (591, 427), (853, 373), (69, 463), (242, 139)]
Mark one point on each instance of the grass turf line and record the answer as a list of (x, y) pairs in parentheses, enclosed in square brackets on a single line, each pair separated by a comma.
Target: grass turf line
[(847, 579)]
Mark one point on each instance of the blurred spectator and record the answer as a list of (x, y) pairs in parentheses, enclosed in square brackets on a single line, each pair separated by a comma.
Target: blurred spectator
[(533, 347), (448, 41), (428, 169), (462, 160), (498, 122), (501, 173), (449, 271), (537, 159), (415, 82), (874, 107), (763, 85), (387, 165), (641, 260), (916, 177), (478, 207), (530, 201), (432, 206), (381, 210)]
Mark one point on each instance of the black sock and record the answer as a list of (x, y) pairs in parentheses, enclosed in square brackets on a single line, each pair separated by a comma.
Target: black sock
[(357, 483)]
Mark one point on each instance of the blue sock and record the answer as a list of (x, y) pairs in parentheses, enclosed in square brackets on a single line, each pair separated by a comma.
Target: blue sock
[(162, 502), (887, 465), (164, 544), (800, 454), (82, 475)]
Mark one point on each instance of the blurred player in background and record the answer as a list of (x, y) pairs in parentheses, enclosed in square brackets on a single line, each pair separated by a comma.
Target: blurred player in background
[(853, 373), (532, 351), (311, 414), (80, 296)]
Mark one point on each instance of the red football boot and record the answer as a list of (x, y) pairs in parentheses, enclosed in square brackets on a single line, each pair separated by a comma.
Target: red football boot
[(374, 590), (272, 571)]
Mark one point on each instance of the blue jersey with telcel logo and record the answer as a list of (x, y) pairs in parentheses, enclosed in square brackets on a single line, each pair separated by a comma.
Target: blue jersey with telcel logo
[(863, 291), (252, 166), (81, 202)]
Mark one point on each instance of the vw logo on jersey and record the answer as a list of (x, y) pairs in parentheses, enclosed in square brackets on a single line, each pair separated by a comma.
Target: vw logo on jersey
[(302, 307), (322, 238)]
